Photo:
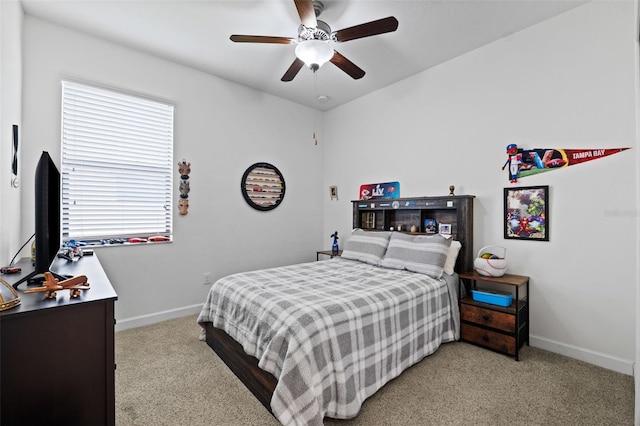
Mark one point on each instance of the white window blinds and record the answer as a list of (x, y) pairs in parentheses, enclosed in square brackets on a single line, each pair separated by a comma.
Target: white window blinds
[(117, 164)]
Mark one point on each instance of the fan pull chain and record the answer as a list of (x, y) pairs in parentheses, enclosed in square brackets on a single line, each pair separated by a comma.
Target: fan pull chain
[(315, 88)]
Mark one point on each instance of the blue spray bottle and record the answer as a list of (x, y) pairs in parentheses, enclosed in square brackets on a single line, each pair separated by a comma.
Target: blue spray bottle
[(334, 247)]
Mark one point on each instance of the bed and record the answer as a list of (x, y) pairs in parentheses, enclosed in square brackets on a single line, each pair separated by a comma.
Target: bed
[(316, 339)]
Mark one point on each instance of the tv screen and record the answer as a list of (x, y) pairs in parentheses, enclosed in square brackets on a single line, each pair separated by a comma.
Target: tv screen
[(47, 215)]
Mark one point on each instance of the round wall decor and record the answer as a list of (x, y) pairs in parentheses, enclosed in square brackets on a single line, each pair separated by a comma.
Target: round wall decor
[(263, 186)]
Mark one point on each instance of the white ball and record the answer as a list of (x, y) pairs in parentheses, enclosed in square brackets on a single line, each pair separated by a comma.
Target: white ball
[(491, 267)]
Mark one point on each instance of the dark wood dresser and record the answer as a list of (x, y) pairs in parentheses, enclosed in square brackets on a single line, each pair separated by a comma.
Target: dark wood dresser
[(57, 362)]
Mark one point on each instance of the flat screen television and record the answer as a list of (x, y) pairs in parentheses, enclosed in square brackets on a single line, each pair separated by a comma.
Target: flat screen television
[(47, 218)]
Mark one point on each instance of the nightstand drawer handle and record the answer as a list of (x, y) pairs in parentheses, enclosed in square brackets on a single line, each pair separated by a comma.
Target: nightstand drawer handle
[(485, 338), (486, 317)]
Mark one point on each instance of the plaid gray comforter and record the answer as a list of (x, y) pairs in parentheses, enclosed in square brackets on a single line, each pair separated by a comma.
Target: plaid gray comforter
[(332, 332)]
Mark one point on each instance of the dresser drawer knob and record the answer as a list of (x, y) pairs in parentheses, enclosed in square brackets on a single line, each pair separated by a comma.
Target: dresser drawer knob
[(485, 338), (486, 317)]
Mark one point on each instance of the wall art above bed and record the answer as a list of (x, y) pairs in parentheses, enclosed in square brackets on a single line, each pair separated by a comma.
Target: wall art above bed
[(526, 213), (263, 186)]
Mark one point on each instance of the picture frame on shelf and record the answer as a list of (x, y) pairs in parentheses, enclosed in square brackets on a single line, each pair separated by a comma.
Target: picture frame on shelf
[(430, 226), (444, 228), (526, 213)]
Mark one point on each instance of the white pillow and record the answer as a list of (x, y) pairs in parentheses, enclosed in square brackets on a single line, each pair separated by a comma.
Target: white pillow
[(452, 256)]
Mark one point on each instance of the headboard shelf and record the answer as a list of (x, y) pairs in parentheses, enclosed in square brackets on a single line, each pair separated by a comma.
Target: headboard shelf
[(405, 214)]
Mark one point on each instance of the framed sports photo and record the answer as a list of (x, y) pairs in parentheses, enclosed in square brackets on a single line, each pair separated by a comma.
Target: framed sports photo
[(444, 228), (430, 226), (526, 213)]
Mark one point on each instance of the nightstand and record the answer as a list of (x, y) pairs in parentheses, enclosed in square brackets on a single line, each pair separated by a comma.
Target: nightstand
[(502, 329), (329, 253)]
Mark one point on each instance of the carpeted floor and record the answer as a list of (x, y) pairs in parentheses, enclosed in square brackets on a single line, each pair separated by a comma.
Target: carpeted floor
[(166, 376)]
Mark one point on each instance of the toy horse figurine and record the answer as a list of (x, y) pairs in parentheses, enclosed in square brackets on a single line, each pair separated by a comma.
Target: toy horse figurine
[(334, 247)]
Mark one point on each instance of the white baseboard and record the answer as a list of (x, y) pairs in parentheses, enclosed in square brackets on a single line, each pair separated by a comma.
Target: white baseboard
[(596, 358), (609, 362), (156, 317)]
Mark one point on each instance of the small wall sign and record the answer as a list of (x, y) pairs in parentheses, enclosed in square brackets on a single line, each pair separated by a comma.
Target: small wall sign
[(380, 190)]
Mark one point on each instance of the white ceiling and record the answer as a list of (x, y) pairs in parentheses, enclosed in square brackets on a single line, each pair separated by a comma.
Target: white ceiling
[(196, 33)]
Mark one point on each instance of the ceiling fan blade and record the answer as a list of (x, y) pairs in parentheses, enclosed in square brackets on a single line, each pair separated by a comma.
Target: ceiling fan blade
[(238, 38), (293, 70), (347, 66), (381, 26), (306, 12)]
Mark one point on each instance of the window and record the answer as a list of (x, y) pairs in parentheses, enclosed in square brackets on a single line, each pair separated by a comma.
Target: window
[(117, 165)]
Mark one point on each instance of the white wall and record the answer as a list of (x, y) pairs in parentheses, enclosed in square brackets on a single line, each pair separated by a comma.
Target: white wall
[(568, 82), (637, 115), (220, 128), (11, 18)]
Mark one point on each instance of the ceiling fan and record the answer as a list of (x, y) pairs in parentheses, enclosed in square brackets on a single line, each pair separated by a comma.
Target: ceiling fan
[(314, 37)]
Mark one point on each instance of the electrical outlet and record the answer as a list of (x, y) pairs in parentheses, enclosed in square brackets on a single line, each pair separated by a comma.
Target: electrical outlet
[(207, 278)]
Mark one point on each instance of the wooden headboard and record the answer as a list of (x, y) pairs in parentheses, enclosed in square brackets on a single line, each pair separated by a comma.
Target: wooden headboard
[(409, 214)]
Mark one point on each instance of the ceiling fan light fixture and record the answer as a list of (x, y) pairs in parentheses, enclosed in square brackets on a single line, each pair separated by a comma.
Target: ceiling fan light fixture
[(314, 53)]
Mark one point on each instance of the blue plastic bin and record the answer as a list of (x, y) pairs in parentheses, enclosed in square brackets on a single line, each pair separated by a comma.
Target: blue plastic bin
[(491, 297)]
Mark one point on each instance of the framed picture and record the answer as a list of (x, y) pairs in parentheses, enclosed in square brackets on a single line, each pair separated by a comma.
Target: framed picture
[(526, 213), (444, 228), (263, 186), (333, 192), (430, 226)]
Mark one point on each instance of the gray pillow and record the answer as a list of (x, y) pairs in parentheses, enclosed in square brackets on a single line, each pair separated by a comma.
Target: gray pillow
[(366, 246), (422, 254)]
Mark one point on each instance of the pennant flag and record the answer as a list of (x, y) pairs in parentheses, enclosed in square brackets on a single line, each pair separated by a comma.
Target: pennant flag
[(539, 160)]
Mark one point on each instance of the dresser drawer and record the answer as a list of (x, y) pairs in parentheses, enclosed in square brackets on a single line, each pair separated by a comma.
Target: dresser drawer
[(489, 318), (490, 339)]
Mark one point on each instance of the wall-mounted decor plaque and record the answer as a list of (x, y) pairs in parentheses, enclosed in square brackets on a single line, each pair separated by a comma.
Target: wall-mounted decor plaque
[(263, 186)]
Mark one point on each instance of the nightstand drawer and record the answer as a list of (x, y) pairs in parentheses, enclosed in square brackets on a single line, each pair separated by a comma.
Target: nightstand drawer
[(488, 317), (489, 339)]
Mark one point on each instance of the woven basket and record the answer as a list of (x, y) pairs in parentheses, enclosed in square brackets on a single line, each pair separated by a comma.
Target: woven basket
[(493, 267)]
